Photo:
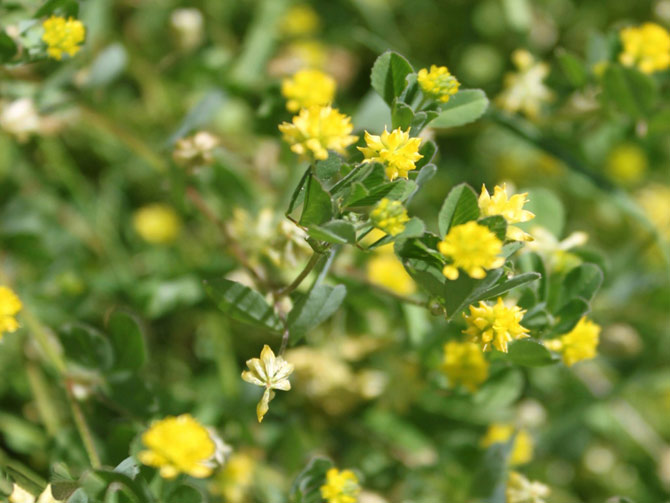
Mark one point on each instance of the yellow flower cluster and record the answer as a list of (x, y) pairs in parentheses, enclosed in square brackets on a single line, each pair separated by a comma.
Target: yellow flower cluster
[(465, 364), (646, 46), (340, 487), (317, 129), (386, 270), (10, 305), (511, 208), (235, 478), (389, 216), (157, 223), (63, 36), (300, 20), (437, 83), (500, 433), (521, 490), (578, 344), (396, 151), (268, 371), (308, 88), (495, 325), (525, 90), (178, 445), (473, 248), (627, 163)]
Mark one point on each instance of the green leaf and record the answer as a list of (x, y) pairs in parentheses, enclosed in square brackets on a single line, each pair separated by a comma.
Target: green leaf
[(548, 209), (573, 68), (298, 195), (127, 340), (313, 308), (462, 108), (335, 231), (569, 315), (427, 275), (101, 483), (328, 168), (200, 114), (428, 150), (67, 8), (318, 206), (243, 304), (397, 190), (402, 115), (306, 486), (530, 353), (7, 47), (629, 90), (496, 224), (86, 346), (490, 479), (107, 66), (516, 281), (583, 281), (459, 207), (389, 75), (185, 494), (423, 177)]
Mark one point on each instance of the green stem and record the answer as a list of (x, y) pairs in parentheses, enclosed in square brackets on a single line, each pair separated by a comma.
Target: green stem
[(82, 427), (301, 277)]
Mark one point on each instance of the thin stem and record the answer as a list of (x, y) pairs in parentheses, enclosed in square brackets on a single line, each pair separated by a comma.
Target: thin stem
[(301, 277), (82, 426)]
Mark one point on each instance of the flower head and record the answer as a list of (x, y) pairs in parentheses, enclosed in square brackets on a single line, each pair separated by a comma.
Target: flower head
[(178, 445), (511, 208), (389, 216), (300, 20), (157, 223), (20, 118), (234, 480), (386, 270), (438, 83), (646, 46), (270, 372), (10, 305), (308, 88), (63, 35), (495, 325), (20, 495), (395, 150), (318, 129), (195, 150), (464, 363), (578, 344), (340, 487), (473, 248), (627, 163), (522, 490), (500, 433), (525, 90)]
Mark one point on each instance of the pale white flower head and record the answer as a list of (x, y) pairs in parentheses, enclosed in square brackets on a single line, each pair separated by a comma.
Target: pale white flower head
[(268, 371), (187, 24), (522, 490), (20, 118), (20, 495), (525, 90)]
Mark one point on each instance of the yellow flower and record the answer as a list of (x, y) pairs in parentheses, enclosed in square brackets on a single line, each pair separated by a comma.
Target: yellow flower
[(511, 209), (270, 372), (63, 35), (395, 150), (579, 344), (318, 129), (10, 305), (495, 325), (300, 20), (646, 46), (473, 248), (340, 487), (525, 90), (178, 445), (626, 163), (157, 223), (308, 88), (464, 363), (522, 490), (438, 83), (389, 216), (385, 269), (522, 449), (655, 201), (235, 478)]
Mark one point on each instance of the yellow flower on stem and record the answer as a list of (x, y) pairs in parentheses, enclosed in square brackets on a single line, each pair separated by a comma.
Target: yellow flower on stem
[(389, 216), (495, 325), (646, 46), (437, 83), (511, 208), (10, 305), (396, 151), (465, 364), (178, 445), (340, 487), (308, 88), (579, 344), (500, 433), (157, 223), (317, 129), (268, 371), (471, 247), (522, 490), (63, 36)]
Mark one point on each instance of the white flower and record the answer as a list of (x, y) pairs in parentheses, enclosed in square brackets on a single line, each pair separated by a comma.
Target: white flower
[(268, 371), (20, 118), (20, 495)]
